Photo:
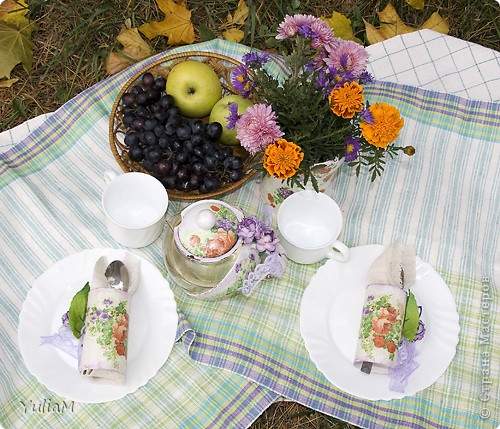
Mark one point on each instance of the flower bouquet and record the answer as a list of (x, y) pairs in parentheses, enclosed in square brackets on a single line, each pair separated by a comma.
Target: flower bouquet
[(318, 112)]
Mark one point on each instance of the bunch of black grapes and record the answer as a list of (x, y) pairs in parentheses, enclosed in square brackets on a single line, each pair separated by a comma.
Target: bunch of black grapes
[(184, 154)]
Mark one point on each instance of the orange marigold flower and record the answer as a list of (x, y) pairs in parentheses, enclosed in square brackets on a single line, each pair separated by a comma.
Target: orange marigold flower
[(387, 123), (347, 100), (282, 158)]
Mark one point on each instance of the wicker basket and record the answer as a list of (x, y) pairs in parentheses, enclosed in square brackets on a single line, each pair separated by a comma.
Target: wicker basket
[(223, 66)]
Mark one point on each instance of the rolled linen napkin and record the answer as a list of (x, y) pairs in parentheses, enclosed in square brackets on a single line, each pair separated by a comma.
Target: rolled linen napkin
[(384, 308), (105, 334)]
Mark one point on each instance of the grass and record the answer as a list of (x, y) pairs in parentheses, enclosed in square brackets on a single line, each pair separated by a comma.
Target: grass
[(74, 38)]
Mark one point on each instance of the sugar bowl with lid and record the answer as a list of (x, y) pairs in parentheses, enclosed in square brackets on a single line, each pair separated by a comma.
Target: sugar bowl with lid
[(204, 254)]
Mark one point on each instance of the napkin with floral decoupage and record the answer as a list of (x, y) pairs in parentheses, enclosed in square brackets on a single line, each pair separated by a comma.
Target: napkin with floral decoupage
[(384, 307), (105, 334)]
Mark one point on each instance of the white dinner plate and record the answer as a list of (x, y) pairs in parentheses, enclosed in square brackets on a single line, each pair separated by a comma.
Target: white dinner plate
[(153, 325), (330, 315)]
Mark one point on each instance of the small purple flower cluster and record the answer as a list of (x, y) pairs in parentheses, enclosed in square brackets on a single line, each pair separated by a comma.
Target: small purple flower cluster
[(251, 229), (225, 224), (284, 193)]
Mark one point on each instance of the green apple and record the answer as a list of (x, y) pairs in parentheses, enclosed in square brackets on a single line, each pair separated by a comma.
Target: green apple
[(195, 87), (221, 110)]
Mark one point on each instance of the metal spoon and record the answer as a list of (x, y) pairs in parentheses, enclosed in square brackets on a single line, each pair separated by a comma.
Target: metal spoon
[(117, 275)]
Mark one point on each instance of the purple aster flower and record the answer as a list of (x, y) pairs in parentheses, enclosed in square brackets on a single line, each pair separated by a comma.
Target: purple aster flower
[(247, 228), (366, 77), (225, 224), (258, 128), (266, 240), (351, 148), (367, 115), (255, 59), (306, 31), (241, 81), (347, 55), (291, 24), (323, 34), (323, 81), (233, 117), (308, 26)]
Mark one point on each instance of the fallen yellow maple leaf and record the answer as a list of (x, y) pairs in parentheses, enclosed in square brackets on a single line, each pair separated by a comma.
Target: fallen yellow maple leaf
[(341, 26), (12, 8), (177, 25), (7, 83), (436, 23), (232, 28), (416, 4), (240, 14), (15, 39), (233, 35), (134, 48), (391, 25)]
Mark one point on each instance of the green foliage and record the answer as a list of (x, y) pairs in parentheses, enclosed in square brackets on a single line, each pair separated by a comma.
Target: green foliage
[(77, 309), (412, 317)]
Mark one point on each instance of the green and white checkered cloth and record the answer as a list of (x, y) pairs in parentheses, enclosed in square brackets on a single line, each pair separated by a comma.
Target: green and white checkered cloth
[(248, 351)]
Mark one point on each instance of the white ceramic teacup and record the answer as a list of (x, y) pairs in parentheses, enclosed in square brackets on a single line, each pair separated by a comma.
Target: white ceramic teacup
[(135, 205), (309, 224)]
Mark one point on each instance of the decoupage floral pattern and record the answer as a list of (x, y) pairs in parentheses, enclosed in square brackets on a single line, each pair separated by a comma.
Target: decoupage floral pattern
[(219, 239), (381, 325), (108, 324)]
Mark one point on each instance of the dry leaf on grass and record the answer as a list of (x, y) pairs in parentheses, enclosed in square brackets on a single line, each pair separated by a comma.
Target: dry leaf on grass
[(240, 15), (391, 25), (7, 83), (341, 26), (416, 4), (12, 8), (134, 48), (177, 25), (232, 28), (15, 39), (233, 35), (436, 23)]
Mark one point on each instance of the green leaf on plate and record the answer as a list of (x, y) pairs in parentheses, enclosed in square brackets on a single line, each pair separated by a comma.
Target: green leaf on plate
[(412, 318), (77, 310)]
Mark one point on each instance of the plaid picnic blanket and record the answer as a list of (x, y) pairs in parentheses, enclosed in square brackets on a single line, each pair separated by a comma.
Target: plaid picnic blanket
[(445, 200)]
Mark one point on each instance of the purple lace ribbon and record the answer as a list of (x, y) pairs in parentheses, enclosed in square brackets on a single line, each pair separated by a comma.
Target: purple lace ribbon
[(64, 339), (405, 365), (272, 266)]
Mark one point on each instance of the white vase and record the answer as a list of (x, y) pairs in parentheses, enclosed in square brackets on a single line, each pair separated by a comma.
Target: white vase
[(273, 191)]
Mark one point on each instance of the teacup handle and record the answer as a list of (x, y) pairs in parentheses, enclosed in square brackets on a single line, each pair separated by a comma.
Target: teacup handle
[(109, 176), (340, 252)]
